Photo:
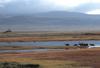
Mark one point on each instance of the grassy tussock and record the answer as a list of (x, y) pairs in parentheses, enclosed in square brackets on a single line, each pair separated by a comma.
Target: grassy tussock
[(51, 63)]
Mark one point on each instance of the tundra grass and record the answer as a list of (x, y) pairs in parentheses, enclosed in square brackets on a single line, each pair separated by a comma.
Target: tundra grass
[(47, 63)]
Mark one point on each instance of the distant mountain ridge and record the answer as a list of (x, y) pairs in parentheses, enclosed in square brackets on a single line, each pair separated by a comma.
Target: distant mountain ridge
[(51, 21), (60, 13)]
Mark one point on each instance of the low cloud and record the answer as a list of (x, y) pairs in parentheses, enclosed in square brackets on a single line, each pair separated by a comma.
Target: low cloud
[(33, 6), (86, 7)]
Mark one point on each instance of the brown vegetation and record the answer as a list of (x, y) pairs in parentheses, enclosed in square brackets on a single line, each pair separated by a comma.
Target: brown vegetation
[(17, 47), (23, 37), (51, 38), (87, 57)]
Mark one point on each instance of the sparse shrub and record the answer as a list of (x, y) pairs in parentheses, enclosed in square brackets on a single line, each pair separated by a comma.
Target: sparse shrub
[(9, 65), (17, 65), (83, 45), (92, 44), (7, 31), (76, 45), (29, 66), (67, 44)]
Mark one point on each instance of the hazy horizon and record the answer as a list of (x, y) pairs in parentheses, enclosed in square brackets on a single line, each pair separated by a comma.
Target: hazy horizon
[(50, 15)]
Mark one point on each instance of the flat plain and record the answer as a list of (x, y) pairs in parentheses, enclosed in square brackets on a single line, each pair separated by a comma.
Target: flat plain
[(70, 57), (82, 58), (47, 36)]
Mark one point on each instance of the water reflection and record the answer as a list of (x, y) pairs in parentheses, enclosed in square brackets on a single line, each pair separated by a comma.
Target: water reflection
[(34, 50), (48, 43)]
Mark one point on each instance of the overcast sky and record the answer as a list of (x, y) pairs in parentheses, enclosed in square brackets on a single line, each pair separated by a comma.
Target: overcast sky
[(33, 6)]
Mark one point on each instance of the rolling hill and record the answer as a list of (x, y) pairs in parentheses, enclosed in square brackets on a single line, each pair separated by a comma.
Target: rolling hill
[(51, 21)]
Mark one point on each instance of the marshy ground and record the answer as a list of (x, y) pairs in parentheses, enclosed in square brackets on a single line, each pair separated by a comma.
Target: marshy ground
[(81, 58), (70, 57), (47, 36)]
